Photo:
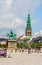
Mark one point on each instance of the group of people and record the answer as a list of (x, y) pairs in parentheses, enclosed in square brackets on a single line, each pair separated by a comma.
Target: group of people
[(29, 51), (36, 50)]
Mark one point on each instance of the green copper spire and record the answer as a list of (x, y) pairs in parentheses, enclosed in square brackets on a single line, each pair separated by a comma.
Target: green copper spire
[(28, 22)]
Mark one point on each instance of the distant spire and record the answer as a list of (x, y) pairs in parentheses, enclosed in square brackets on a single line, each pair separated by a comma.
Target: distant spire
[(28, 26), (28, 21)]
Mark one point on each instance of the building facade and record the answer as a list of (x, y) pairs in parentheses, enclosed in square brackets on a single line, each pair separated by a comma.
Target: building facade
[(12, 44)]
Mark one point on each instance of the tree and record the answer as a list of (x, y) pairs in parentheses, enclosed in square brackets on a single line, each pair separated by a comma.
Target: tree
[(20, 45), (4, 46), (38, 45), (32, 45), (25, 46), (0, 45)]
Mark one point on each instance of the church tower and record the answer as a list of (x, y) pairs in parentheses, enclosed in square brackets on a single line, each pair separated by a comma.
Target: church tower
[(28, 26)]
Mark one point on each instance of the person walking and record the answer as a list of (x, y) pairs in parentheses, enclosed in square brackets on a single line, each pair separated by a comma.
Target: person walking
[(29, 50)]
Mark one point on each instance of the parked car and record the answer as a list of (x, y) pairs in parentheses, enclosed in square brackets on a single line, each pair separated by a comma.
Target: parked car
[(3, 52)]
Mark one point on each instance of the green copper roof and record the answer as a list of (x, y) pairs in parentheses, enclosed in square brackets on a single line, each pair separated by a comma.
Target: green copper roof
[(28, 22)]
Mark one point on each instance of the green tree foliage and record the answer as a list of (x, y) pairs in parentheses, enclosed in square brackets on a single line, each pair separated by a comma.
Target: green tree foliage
[(4, 46), (36, 45), (32, 45), (22, 45), (18, 45), (40, 44), (25, 46), (0, 45)]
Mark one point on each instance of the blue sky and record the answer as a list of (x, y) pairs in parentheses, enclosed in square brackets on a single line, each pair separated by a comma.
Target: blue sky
[(13, 16)]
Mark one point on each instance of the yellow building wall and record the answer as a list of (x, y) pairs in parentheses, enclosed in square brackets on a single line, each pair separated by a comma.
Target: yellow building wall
[(12, 45)]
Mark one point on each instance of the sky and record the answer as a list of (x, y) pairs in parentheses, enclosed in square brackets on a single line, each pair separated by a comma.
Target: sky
[(13, 16)]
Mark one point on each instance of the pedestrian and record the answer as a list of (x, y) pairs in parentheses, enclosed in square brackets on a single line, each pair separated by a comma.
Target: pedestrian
[(29, 50)]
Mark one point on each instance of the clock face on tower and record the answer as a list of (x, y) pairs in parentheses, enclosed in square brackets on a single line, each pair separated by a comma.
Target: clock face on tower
[(28, 32)]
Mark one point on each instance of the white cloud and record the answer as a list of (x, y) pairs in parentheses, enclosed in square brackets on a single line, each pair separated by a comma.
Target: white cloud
[(17, 24), (21, 6), (34, 21), (37, 34), (40, 33), (6, 4), (20, 32), (12, 11), (13, 23)]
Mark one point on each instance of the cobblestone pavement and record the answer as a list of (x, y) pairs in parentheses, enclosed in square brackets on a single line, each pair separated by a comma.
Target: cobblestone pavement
[(20, 58)]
